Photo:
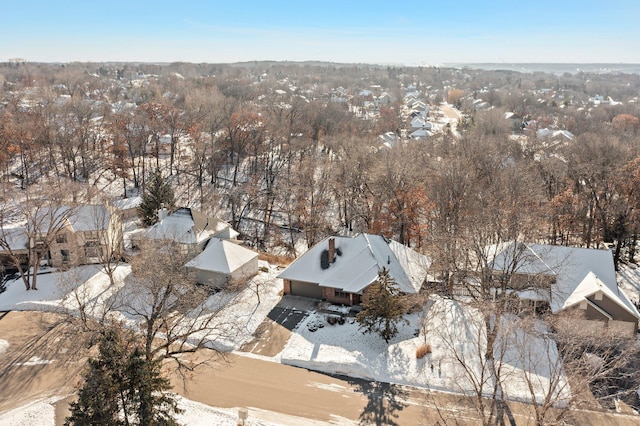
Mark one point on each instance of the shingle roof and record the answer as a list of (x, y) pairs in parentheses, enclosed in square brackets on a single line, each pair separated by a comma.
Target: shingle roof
[(357, 263)]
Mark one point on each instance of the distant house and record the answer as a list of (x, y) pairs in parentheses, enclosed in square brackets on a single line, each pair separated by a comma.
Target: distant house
[(128, 207), (548, 134), (578, 279), (420, 123), (515, 120), (388, 140), (420, 134), (340, 269), (223, 261), (87, 232), (189, 227)]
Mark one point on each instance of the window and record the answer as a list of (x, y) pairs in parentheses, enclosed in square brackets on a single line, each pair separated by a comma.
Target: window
[(61, 238), (341, 294), (92, 249), (65, 255)]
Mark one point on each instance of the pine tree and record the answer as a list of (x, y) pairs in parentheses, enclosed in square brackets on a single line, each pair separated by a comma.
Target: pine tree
[(384, 308), (157, 194), (122, 388)]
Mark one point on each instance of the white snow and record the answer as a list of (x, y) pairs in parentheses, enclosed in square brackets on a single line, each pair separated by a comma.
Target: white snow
[(37, 413), (4, 345), (453, 331), (90, 287), (629, 280), (42, 413), (34, 360)]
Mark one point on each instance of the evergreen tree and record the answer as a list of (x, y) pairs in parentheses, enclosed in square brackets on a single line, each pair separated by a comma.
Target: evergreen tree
[(384, 308), (157, 194), (122, 388)]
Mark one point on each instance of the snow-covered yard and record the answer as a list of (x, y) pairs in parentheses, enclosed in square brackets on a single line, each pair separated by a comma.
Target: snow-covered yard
[(90, 286), (455, 333)]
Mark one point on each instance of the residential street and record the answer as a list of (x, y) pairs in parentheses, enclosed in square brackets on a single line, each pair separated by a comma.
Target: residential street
[(42, 360)]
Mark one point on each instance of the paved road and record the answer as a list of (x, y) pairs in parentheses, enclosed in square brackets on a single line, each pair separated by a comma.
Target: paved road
[(241, 382), (266, 385)]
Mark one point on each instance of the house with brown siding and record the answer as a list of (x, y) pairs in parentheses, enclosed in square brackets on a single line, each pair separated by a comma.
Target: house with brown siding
[(340, 269), (579, 279)]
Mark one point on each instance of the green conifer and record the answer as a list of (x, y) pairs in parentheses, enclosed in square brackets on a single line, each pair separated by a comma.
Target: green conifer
[(384, 308)]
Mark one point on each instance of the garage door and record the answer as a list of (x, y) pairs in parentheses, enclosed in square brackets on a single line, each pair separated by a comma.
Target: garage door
[(300, 288)]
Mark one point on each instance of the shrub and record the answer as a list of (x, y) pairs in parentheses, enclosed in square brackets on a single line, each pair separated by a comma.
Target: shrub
[(422, 350)]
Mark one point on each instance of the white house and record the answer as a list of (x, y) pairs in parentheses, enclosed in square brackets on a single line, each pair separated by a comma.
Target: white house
[(189, 227)]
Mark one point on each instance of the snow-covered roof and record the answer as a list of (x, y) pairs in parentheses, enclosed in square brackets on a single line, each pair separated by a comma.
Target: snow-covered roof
[(178, 227), (420, 123), (128, 203), (80, 218), (579, 272), (357, 262), (188, 226), (222, 256), (388, 139), (545, 133), (15, 238), (420, 134), (89, 218)]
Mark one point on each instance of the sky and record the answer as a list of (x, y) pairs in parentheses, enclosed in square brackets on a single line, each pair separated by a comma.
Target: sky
[(346, 31)]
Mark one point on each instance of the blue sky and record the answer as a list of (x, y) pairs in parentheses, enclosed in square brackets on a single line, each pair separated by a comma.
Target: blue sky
[(385, 32)]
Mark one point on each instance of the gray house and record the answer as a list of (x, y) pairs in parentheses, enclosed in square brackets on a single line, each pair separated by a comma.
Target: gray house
[(223, 261)]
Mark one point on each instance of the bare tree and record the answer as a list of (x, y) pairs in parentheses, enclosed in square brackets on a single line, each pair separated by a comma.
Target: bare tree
[(175, 315), (45, 216)]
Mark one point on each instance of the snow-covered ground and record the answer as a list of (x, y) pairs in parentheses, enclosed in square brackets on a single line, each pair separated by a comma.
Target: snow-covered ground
[(455, 333), (90, 286), (629, 280), (42, 413)]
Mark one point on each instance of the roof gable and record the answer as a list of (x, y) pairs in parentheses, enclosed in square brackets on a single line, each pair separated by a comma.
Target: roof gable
[(222, 256), (579, 272)]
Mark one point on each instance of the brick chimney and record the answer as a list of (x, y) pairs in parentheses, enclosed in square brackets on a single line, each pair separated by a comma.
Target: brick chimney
[(332, 249), (162, 213)]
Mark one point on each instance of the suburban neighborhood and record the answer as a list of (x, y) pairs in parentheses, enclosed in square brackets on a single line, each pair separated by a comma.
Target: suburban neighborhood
[(316, 243)]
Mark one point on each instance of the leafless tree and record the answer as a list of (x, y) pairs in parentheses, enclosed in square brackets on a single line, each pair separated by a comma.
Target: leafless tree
[(45, 215), (175, 315)]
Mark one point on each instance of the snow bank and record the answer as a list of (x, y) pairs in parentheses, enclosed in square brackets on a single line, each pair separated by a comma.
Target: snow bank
[(37, 413), (42, 413)]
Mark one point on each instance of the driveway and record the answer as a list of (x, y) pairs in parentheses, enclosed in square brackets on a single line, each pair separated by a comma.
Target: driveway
[(273, 334)]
